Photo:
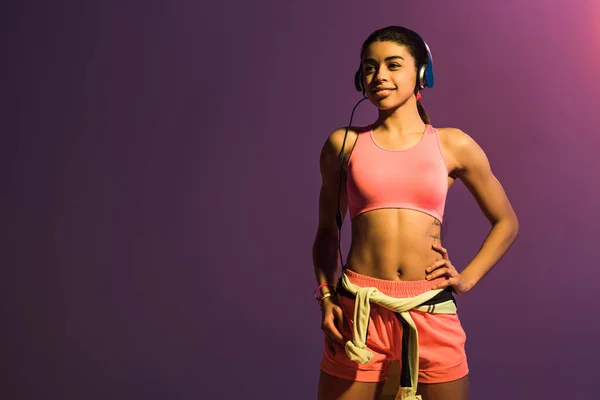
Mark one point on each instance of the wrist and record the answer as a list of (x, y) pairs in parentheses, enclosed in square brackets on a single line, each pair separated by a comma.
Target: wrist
[(328, 297), (468, 280), (322, 290)]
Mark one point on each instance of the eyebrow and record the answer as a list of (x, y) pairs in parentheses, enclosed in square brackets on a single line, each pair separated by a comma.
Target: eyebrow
[(386, 59)]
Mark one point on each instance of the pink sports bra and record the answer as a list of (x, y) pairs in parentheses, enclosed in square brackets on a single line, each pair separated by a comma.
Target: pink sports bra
[(415, 178)]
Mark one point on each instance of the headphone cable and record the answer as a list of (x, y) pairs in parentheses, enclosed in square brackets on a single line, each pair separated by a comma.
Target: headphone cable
[(338, 216)]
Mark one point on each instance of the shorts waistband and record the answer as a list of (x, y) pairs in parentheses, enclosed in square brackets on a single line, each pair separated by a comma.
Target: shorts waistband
[(399, 289)]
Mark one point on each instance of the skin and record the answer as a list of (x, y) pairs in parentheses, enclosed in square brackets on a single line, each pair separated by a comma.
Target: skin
[(401, 244)]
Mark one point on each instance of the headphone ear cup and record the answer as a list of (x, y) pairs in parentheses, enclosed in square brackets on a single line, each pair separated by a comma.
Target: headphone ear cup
[(358, 84), (422, 78), (429, 76)]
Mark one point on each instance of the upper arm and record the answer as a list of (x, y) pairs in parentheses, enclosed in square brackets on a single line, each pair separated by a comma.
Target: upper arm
[(474, 170), (331, 173)]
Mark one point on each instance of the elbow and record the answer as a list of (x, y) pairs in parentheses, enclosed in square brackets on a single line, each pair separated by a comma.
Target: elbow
[(515, 229), (511, 226), (326, 234), (324, 237), (514, 223)]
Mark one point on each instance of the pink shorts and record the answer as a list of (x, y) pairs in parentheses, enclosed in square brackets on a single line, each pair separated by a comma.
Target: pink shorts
[(442, 356)]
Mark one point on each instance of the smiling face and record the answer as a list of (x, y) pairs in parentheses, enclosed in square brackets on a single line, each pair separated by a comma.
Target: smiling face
[(389, 74)]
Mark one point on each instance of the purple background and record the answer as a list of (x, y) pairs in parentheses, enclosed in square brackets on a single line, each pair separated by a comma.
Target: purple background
[(160, 182)]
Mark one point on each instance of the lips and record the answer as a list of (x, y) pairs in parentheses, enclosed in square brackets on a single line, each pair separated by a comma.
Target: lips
[(383, 92)]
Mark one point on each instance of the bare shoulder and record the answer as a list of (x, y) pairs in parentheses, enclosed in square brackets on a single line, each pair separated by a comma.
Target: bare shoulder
[(455, 138), (332, 148), (462, 148)]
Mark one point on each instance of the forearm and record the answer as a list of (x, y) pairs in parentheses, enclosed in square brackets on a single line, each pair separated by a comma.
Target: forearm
[(325, 257), (496, 245)]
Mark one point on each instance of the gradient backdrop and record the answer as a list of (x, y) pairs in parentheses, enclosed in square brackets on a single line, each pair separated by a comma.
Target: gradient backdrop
[(160, 183)]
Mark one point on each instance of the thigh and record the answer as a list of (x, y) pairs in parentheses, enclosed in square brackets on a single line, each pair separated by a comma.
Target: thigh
[(442, 356), (380, 343), (454, 390), (333, 388)]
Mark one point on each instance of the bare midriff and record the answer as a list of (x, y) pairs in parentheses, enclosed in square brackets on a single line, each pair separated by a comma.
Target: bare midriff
[(393, 244)]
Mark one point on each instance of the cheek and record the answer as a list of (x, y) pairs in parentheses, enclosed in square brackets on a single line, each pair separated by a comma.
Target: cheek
[(406, 79)]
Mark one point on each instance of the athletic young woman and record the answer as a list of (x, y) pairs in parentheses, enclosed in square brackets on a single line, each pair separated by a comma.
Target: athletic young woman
[(394, 298)]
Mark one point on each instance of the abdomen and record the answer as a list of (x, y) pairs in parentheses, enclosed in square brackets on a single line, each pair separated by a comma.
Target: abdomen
[(393, 244)]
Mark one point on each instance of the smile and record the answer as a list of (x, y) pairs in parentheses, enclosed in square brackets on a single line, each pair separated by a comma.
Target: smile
[(386, 90)]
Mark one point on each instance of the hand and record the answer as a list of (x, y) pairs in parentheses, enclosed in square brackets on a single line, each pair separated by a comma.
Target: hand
[(445, 268), (332, 319)]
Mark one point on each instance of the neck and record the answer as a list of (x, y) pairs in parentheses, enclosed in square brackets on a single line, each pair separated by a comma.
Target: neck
[(403, 120)]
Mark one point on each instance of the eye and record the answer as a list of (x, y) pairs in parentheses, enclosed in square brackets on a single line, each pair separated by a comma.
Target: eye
[(394, 66), (369, 68)]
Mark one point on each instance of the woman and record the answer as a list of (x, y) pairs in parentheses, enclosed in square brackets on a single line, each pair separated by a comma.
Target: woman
[(393, 300)]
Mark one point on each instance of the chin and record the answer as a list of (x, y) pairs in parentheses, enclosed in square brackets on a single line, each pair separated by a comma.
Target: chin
[(389, 103), (386, 104), (394, 108)]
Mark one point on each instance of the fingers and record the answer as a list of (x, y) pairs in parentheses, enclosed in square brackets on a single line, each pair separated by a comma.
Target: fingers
[(329, 326), (436, 265), (446, 270), (441, 250), (441, 271), (343, 321), (332, 333), (455, 282), (442, 285), (331, 330)]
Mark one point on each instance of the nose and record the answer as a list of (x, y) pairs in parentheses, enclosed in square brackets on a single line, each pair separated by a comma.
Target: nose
[(381, 75)]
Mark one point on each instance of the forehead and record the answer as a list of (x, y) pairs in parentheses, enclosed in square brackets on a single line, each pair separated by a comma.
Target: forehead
[(379, 51)]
